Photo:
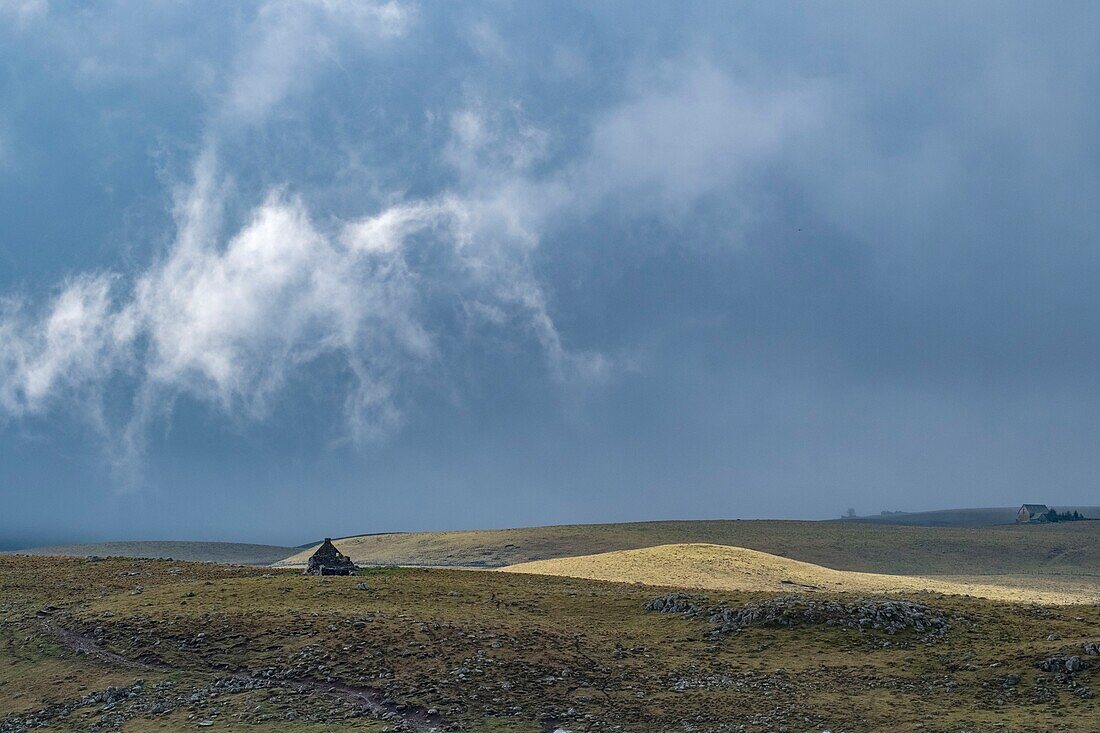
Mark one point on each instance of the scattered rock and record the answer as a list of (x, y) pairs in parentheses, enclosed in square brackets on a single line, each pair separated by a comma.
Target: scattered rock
[(889, 616), (1062, 663), (674, 603)]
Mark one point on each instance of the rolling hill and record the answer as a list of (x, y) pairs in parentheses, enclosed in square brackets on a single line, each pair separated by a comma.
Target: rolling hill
[(224, 552), (1070, 548), (719, 567)]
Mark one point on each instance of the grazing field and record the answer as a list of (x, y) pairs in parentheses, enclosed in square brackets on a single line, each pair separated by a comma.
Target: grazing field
[(229, 552), (718, 567), (242, 649), (1070, 548)]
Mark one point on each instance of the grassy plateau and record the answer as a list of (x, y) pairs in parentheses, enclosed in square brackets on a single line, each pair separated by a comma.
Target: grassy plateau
[(231, 552), (236, 648), (1069, 548)]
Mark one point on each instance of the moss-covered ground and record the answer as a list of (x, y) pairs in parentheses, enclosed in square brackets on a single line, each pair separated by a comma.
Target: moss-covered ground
[(514, 653)]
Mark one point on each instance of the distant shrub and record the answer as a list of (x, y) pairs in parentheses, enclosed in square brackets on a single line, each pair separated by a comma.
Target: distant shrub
[(1054, 516)]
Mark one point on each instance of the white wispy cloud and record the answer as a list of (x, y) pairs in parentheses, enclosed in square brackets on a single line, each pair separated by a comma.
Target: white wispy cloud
[(225, 318), (692, 129), (23, 12), (74, 342), (229, 318), (290, 39)]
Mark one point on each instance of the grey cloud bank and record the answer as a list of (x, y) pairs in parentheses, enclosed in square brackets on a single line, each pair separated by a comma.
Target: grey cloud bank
[(507, 264)]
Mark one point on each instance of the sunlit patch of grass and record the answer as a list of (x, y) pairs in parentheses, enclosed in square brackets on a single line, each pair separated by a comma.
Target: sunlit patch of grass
[(720, 567)]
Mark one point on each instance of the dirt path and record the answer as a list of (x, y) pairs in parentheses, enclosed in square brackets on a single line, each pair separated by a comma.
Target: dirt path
[(82, 644), (370, 700)]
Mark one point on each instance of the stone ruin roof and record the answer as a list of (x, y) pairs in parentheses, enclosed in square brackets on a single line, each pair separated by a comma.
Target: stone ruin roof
[(327, 560)]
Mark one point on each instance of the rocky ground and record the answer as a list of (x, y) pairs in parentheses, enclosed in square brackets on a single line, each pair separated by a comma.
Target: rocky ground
[(890, 616), (172, 646), (241, 701)]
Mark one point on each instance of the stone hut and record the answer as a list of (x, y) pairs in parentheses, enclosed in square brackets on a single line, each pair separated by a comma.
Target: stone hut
[(329, 561), (1032, 513)]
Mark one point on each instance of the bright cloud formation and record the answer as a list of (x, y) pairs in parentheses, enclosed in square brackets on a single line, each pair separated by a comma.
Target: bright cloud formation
[(228, 321), (289, 40), (230, 315)]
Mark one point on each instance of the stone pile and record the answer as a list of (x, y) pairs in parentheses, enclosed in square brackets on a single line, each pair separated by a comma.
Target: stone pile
[(674, 603), (888, 616), (1066, 668), (1063, 663)]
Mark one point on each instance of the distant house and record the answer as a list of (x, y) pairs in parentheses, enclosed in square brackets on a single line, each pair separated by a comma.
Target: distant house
[(1032, 513), (329, 561)]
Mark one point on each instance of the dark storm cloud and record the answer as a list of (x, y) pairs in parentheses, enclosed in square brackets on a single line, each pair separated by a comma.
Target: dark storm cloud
[(611, 262)]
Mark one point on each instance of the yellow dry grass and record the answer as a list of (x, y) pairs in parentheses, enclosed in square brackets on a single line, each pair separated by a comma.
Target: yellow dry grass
[(720, 567)]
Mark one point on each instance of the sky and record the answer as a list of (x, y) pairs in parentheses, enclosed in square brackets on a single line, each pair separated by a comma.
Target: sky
[(271, 271)]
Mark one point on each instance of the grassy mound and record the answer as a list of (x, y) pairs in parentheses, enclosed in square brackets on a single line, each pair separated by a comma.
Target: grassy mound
[(718, 567)]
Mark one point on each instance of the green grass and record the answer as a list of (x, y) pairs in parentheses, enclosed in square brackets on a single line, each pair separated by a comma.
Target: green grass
[(232, 716), (519, 654), (1068, 548)]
